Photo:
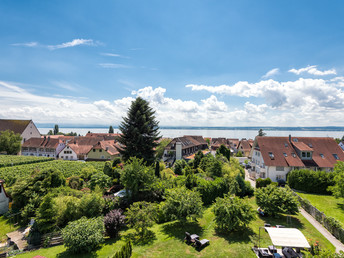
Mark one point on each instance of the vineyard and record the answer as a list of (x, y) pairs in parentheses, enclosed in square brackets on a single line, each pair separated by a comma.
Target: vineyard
[(11, 160), (68, 168)]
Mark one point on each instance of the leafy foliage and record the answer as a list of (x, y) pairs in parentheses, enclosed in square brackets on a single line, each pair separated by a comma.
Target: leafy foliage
[(13, 160), (101, 180), (113, 221), (136, 177), (179, 165), (260, 182), (274, 200), (310, 181), (261, 132), (92, 205), (338, 188), (182, 204), (35, 235), (10, 142), (161, 147), (125, 251), (139, 132), (140, 216), (83, 235), (46, 217), (232, 213), (223, 150)]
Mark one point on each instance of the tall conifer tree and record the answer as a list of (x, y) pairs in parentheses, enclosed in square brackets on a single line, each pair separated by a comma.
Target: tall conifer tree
[(139, 132)]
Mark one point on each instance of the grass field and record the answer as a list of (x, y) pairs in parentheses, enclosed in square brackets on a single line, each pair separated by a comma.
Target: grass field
[(5, 227), (166, 240), (328, 204)]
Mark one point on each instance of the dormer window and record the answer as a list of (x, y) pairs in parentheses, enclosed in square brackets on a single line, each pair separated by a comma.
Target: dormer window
[(285, 144), (335, 156), (293, 154), (310, 145), (285, 154), (295, 140), (322, 155), (271, 155)]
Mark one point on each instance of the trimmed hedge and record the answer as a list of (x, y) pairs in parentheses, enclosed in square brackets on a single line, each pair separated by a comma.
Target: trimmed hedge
[(310, 181)]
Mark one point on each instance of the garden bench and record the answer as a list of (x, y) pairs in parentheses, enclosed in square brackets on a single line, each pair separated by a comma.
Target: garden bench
[(190, 238), (201, 243)]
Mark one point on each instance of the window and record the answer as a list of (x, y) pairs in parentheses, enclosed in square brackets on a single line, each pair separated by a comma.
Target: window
[(308, 154), (285, 154), (100, 150), (295, 140), (322, 155), (279, 168), (94, 150), (285, 144), (271, 155), (303, 154), (310, 145), (335, 156), (293, 154)]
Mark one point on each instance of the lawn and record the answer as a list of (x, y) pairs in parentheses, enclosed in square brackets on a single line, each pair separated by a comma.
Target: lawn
[(328, 204), (6, 227), (166, 240)]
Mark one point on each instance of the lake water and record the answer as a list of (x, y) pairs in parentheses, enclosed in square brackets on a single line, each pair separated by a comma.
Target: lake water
[(227, 133)]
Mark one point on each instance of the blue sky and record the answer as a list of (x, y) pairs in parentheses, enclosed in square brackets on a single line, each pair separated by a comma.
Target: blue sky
[(199, 63)]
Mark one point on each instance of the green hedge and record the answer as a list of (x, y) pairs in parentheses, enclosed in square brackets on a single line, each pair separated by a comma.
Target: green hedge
[(310, 181)]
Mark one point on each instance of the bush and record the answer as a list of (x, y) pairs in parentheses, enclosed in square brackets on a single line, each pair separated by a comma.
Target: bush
[(211, 189), (101, 180), (83, 235), (260, 182), (113, 221), (182, 204), (179, 165), (75, 182), (46, 217), (140, 216), (68, 209), (232, 213), (310, 181), (91, 205), (274, 200), (245, 188), (125, 251), (35, 236)]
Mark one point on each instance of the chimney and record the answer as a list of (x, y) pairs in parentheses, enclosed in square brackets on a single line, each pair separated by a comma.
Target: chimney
[(290, 138)]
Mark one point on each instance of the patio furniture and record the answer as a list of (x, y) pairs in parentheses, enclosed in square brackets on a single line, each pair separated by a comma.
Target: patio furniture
[(272, 249), (264, 253), (280, 226), (190, 238), (290, 253), (201, 243)]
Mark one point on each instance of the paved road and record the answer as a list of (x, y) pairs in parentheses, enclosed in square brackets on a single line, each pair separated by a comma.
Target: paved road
[(338, 245)]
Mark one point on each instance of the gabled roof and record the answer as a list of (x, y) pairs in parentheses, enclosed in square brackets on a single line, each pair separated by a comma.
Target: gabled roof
[(187, 141), (80, 149), (246, 144), (109, 146), (17, 126), (46, 142), (279, 151)]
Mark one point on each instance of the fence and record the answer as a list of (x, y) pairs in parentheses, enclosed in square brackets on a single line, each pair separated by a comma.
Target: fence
[(331, 224)]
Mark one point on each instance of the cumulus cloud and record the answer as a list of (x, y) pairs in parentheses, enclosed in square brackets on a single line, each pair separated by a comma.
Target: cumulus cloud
[(271, 73), (312, 69)]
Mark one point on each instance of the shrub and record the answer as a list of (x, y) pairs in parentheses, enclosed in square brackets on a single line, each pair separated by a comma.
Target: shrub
[(91, 205), (211, 189), (166, 173), (75, 182), (113, 221), (260, 182), (125, 251), (101, 180), (232, 213), (35, 236), (245, 188), (46, 217), (116, 161), (182, 204), (68, 209), (140, 216), (83, 235), (179, 165), (273, 200), (338, 188), (310, 181)]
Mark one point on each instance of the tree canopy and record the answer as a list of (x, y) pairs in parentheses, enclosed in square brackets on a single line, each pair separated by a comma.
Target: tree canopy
[(10, 142), (110, 129), (261, 132), (139, 132)]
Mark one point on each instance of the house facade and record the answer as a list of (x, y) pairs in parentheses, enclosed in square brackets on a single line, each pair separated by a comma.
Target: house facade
[(26, 128), (4, 199), (274, 157), (104, 150), (245, 147), (42, 147)]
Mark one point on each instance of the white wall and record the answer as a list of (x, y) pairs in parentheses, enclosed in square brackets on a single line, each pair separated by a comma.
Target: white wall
[(30, 131), (68, 156)]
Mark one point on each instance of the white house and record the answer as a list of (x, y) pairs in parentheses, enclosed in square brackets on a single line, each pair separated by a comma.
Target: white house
[(26, 128), (4, 199), (42, 147), (274, 157)]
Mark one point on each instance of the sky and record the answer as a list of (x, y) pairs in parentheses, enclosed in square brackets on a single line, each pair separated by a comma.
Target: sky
[(198, 63)]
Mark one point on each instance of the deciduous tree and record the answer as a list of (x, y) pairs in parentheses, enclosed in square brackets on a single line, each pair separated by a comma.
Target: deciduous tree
[(10, 142)]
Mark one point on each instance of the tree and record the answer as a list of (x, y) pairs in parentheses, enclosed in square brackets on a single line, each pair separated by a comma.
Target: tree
[(139, 132), (338, 188), (56, 129), (261, 132), (224, 151), (232, 213), (140, 216), (161, 147), (110, 129), (113, 222), (182, 204), (50, 132), (274, 200), (179, 165), (10, 142), (91, 205), (46, 217), (136, 177), (83, 235)]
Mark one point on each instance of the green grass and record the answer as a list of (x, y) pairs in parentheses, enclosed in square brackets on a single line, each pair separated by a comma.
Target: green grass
[(328, 204), (166, 240), (6, 227)]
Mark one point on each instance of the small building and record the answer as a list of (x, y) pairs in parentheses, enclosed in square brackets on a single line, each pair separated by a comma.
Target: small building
[(4, 198), (42, 147), (26, 128), (245, 146), (274, 157), (104, 150)]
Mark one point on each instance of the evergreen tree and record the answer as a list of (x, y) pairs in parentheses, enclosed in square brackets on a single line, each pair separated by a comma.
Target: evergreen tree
[(139, 132), (110, 129), (224, 151), (56, 129), (261, 132)]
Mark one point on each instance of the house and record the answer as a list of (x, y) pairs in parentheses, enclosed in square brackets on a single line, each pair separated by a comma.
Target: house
[(245, 146), (4, 198), (42, 147), (341, 144), (26, 128), (182, 147), (274, 157), (105, 136), (233, 143), (104, 150), (217, 142)]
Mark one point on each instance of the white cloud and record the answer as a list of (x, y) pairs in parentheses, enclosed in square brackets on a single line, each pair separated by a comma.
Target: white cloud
[(271, 73), (27, 44), (73, 43), (113, 66), (312, 70), (113, 55)]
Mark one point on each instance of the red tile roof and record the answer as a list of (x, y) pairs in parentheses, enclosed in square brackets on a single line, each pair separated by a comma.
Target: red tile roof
[(285, 152), (17, 126), (42, 143), (109, 146)]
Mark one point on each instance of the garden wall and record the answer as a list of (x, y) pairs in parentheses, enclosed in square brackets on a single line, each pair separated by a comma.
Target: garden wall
[(331, 224)]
